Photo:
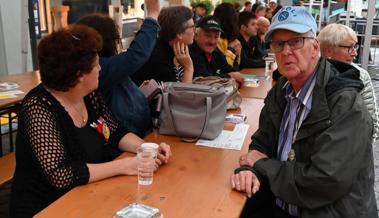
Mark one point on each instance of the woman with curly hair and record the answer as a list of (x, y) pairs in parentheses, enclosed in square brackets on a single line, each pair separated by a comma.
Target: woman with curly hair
[(67, 136)]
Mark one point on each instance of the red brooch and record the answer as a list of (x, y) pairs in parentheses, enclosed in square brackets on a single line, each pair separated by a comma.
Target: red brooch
[(102, 128)]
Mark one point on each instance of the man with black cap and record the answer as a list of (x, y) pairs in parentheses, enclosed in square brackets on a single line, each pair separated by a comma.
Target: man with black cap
[(311, 156), (207, 59)]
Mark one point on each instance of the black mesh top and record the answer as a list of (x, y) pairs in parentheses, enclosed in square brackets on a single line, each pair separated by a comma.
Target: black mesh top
[(51, 156)]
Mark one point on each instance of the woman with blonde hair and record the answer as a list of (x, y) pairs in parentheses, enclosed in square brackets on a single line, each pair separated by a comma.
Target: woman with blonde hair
[(339, 42)]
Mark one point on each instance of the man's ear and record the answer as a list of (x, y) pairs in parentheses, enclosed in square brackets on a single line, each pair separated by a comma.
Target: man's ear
[(243, 27), (316, 48)]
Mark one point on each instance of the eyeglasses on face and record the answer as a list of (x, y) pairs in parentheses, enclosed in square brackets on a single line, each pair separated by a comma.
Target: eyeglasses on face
[(294, 43), (350, 48), (190, 26)]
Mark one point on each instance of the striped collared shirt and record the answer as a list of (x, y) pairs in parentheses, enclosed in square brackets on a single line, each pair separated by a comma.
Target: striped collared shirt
[(297, 109)]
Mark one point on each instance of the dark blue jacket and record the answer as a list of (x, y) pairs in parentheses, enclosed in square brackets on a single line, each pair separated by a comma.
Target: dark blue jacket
[(127, 102)]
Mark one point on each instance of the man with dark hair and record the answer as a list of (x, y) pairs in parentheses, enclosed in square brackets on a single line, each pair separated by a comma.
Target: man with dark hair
[(199, 12), (207, 58), (311, 156), (248, 6), (248, 29)]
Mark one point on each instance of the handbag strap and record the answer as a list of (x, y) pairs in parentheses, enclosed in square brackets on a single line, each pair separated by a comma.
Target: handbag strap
[(208, 104)]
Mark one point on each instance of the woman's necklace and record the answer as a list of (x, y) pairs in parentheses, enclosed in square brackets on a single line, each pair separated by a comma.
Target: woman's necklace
[(83, 119), (68, 106)]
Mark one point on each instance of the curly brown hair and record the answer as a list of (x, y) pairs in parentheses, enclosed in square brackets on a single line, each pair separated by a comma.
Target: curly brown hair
[(64, 56), (173, 21)]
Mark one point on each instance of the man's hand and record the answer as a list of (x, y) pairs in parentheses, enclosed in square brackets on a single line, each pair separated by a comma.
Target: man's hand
[(236, 45), (237, 76), (245, 181), (152, 7), (251, 158)]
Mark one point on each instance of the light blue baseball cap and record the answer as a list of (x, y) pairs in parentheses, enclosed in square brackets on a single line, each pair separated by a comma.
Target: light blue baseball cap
[(295, 19)]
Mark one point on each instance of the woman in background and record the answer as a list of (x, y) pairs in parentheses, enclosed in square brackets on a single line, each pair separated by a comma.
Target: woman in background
[(228, 42), (339, 42), (170, 60), (67, 136), (123, 97)]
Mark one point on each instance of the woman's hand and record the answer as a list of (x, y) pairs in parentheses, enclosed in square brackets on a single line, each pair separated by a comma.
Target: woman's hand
[(182, 55), (128, 166), (164, 153)]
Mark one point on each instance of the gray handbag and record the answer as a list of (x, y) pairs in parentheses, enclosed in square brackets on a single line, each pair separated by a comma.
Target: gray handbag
[(192, 111), (233, 97)]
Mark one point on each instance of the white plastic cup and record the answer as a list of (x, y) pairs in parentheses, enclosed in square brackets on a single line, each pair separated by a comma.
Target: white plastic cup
[(146, 160), (152, 145)]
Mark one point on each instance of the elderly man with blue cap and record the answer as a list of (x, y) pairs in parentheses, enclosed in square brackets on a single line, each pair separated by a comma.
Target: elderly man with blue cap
[(312, 154)]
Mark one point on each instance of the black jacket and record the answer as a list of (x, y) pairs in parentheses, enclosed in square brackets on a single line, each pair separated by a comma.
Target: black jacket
[(249, 59), (333, 171), (160, 65), (217, 67)]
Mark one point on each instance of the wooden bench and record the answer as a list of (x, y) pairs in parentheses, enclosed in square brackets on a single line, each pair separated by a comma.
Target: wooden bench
[(7, 168)]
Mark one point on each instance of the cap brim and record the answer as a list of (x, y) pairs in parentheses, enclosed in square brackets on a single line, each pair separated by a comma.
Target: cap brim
[(213, 29), (297, 28)]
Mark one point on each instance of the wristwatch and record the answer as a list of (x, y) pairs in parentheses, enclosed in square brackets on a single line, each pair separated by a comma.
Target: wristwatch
[(232, 50)]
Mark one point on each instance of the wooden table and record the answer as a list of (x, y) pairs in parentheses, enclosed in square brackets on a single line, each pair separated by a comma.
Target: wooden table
[(256, 92), (27, 81), (196, 183)]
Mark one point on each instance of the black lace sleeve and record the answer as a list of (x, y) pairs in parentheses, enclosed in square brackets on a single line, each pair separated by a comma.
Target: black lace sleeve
[(116, 128), (43, 135)]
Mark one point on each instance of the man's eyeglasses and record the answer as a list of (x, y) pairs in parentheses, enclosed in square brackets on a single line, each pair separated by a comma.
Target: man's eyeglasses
[(294, 43), (350, 49)]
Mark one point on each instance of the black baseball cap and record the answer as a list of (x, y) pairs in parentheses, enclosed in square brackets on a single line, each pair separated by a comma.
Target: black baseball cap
[(209, 23)]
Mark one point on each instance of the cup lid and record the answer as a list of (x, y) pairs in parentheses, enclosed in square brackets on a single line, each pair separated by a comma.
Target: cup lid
[(150, 145)]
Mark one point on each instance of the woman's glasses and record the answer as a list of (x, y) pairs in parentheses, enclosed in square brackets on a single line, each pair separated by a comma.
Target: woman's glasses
[(351, 48)]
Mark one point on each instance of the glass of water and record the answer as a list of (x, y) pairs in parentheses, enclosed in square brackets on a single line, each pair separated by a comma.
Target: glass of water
[(146, 160)]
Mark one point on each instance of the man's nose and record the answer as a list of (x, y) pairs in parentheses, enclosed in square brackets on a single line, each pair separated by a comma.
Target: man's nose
[(286, 49)]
